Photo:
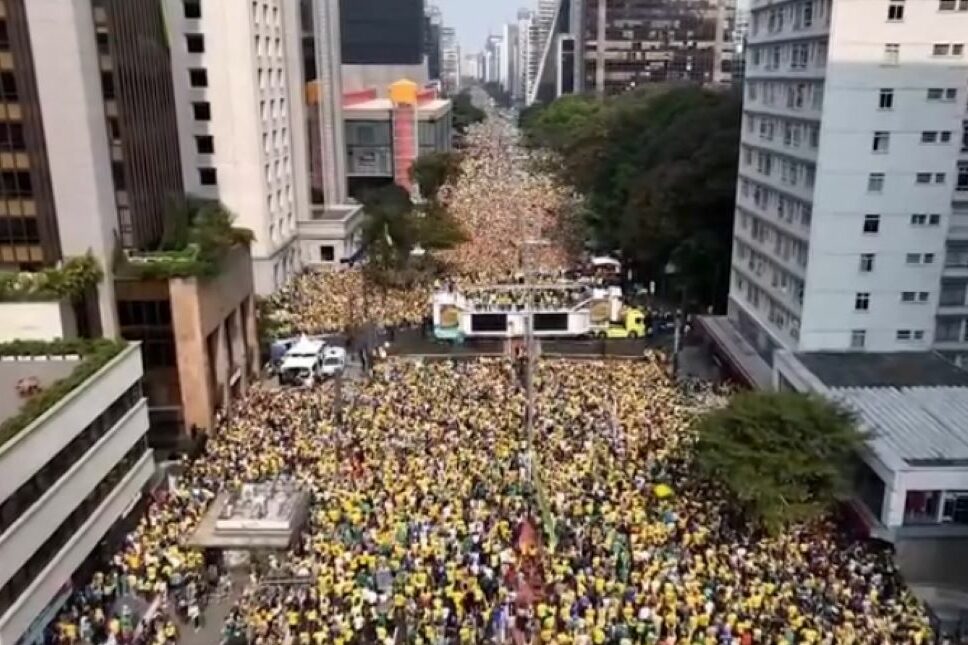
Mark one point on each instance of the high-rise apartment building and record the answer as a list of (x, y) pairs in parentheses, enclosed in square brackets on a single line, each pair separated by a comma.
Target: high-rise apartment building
[(450, 61), (851, 229), (525, 18), (631, 42), (239, 96)]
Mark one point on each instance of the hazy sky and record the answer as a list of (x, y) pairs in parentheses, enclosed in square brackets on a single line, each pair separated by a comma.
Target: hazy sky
[(475, 19)]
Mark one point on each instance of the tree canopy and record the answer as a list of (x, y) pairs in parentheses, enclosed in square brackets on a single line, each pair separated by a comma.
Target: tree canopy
[(658, 171), (465, 113), (432, 170), (782, 457), (394, 226)]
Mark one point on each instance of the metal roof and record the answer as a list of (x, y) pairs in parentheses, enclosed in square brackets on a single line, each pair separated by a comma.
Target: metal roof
[(882, 369), (917, 426)]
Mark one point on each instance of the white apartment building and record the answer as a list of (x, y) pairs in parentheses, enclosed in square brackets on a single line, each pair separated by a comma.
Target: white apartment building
[(525, 19), (450, 60), (851, 229), (238, 89), (69, 476)]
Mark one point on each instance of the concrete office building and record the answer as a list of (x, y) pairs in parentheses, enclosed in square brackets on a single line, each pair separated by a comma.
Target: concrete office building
[(509, 63), (88, 155), (382, 41), (851, 228), (451, 61), (235, 70), (628, 43), (911, 476), (520, 91), (556, 50), (69, 476), (433, 41)]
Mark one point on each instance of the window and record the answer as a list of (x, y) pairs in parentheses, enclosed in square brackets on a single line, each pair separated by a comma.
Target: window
[(957, 49), (939, 177), (326, 253), (193, 9), (207, 176), (950, 94), (908, 296), (205, 144), (929, 136), (892, 53), (882, 141), (198, 77), (923, 296), (895, 12), (862, 301), (919, 219), (875, 182), (195, 43), (940, 49), (903, 334), (202, 111), (923, 178), (961, 183), (934, 219), (103, 42), (107, 86), (858, 338), (928, 258), (872, 223), (8, 87), (944, 136), (935, 93), (866, 262), (886, 101), (918, 334)]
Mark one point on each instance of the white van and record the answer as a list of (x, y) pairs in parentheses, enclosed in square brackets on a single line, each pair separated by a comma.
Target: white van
[(303, 363), (334, 360)]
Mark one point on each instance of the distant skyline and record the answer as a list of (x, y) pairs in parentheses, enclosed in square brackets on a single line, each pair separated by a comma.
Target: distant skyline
[(475, 19)]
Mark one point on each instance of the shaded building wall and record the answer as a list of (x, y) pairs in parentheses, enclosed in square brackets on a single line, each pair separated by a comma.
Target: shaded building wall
[(139, 100), (382, 32)]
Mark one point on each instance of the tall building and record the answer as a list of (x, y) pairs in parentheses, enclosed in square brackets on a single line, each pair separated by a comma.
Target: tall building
[(509, 60), (851, 228), (381, 42), (554, 65), (382, 32), (239, 127), (520, 91), (493, 57), (451, 61), (88, 123), (433, 44), (631, 42)]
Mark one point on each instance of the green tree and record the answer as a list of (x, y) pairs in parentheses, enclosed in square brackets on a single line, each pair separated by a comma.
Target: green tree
[(438, 229), (558, 125), (657, 168), (432, 170), (782, 457), (465, 113), (389, 226)]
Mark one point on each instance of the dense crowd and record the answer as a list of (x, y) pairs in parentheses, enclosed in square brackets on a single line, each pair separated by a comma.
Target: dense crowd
[(499, 202), (329, 302), (509, 298), (425, 526), (502, 200), (436, 518)]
